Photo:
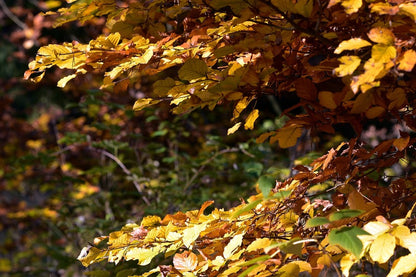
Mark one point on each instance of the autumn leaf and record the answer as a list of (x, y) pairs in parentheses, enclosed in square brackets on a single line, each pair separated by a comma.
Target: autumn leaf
[(144, 103), (348, 65), (352, 44), (381, 35), (233, 129), (403, 265), (251, 119), (185, 262), (407, 61), (193, 69), (326, 99), (382, 248), (287, 136)]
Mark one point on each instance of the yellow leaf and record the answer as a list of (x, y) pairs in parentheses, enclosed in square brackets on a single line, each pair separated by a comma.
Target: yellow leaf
[(150, 221), (352, 44), (303, 7), (382, 248), (408, 9), (303, 266), (62, 83), (381, 35), (325, 259), (241, 105), (348, 65), (403, 265), (232, 246), (191, 234), (346, 263), (400, 232), (384, 8), (114, 39), (259, 243), (407, 61), (383, 53), (91, 255), (326, 99), (144, 102), (143, 255), (376, 228), (233, 129), (251, 119), (289, 270), (351, 6), (409, 242), (287, 136)]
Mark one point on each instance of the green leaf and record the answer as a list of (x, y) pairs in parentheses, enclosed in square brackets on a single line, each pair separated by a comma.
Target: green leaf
[(193, 69), (346, 237), (316, 221), (292, 247), (338, 215), (247, 208), (266, 183)]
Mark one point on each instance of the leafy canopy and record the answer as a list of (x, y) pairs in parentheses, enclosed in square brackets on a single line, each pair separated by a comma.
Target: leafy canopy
[(344, 61)]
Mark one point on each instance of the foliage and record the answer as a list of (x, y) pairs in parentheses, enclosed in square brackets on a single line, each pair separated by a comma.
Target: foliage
[(339, 62)]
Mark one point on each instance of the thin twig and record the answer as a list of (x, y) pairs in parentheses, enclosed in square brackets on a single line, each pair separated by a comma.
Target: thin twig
[(10, 15), (125, 170)]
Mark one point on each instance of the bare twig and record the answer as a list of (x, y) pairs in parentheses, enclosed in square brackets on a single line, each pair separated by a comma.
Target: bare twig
[(125, 170), (10, 15)]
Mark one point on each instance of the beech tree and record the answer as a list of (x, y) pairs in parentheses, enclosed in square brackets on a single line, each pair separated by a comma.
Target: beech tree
[(344, 62)]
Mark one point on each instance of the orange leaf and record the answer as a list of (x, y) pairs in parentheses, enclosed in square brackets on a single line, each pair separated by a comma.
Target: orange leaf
[(326, 99), (185, 262), (407, 61), (204, 206), (401, 143), (381, 35), (287, 136)]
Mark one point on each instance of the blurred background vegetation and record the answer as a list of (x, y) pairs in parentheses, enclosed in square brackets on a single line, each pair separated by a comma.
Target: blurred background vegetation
[(79, 163)]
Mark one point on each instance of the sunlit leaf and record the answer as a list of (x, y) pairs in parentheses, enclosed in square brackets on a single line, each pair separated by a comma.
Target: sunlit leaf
[(348, 65), (407, 61), (403, 265), (233, 129), (346, 237), (382, 248), (352, 44), (251, 119), (342, 214), (144, 103), (381, 35), (187, 261), (191, 234), (232, 246), (316, 221)]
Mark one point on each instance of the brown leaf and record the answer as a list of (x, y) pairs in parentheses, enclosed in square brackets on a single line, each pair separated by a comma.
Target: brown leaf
[(306, 89)]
